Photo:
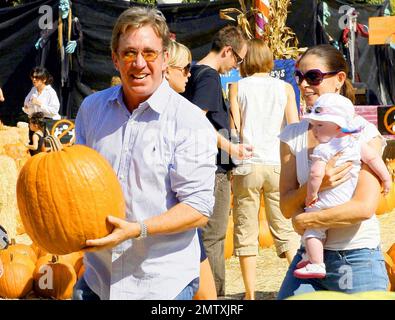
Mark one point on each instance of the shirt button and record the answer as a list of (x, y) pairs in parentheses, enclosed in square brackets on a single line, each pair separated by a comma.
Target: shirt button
[(121, 177)]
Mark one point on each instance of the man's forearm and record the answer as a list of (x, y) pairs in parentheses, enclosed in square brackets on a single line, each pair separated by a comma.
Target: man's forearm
[(179, 218)]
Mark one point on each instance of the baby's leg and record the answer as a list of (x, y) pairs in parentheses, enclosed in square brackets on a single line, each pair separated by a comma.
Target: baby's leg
[(315, 249)]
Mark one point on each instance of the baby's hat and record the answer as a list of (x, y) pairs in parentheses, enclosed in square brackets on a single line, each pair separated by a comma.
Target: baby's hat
[(333, 107)]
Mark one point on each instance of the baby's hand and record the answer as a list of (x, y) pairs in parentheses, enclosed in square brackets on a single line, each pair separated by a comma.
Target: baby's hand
[(310, 200), (387, 187)]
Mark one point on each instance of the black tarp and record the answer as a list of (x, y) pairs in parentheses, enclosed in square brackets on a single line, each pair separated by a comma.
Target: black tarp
[(193, 24), (375, 65)]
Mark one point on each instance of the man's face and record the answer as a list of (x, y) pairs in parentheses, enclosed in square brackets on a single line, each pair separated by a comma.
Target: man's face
[(232, 58), (140, 75), (64, 7)]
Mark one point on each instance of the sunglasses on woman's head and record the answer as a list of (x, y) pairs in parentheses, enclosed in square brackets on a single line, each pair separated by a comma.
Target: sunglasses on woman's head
[(313, 77)]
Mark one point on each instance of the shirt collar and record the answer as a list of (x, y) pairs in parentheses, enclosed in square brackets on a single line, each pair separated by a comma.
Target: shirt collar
[(157, 102)]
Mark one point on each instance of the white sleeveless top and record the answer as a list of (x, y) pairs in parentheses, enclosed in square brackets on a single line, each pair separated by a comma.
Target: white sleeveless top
[(262, 102), (365, 234)]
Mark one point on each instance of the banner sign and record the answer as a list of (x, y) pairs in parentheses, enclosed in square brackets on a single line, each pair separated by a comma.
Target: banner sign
[(63, 129), (386, 120)]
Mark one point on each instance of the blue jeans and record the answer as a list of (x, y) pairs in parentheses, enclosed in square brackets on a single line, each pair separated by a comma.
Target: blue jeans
[(189, 291), (347, 271), (82, 291)]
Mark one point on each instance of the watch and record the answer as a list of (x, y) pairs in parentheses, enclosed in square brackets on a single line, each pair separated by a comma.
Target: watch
[(143, 230)]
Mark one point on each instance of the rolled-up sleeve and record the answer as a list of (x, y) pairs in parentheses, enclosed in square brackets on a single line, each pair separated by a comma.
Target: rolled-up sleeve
[(192, 173)]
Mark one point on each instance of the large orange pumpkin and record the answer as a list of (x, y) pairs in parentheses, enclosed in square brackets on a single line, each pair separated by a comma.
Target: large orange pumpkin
[(65, 196)]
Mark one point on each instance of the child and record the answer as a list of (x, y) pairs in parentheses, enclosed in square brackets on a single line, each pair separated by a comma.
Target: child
[(336, 129), (37, 127)]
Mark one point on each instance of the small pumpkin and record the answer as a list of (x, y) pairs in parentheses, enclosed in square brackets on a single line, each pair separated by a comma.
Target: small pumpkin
[(65, 196), (229, 246), (17, 279), (265, 237), (22, 249), (389, 266), (54, 279), (17, 257), (81, 272)]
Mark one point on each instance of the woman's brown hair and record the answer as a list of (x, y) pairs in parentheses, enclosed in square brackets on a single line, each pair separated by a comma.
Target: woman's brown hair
[(334, 61), (259, 58)]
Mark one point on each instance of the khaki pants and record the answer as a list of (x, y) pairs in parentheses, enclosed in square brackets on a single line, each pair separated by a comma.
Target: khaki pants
[(247, 191)]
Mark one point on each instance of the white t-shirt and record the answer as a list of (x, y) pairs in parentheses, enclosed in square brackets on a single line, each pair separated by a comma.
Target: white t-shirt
[(365, 234), (49, 102)]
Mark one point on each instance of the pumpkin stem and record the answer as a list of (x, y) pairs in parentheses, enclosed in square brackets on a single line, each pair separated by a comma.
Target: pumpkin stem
[(55, 258), (13, 242)]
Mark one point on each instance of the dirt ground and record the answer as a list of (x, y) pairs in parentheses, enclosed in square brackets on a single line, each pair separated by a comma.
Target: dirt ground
[(271, 269)]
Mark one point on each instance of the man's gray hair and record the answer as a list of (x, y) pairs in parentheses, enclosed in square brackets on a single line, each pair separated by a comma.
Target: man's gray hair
[(137, 17)]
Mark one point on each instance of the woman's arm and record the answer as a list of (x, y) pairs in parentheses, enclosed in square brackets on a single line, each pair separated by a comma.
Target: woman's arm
[(291, 110), (361, 207), (292, 197), (234, 107)]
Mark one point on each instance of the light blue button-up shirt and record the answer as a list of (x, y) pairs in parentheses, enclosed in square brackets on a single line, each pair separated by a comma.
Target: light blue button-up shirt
[(163, 154)]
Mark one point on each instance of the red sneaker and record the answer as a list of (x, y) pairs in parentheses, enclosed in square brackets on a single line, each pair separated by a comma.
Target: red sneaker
[(311, 271), (302, 263)]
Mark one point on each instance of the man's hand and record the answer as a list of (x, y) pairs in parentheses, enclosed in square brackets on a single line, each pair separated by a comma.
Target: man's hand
[(38, 43), (241, 151), (71, 45), (123, 230), (335, 175)]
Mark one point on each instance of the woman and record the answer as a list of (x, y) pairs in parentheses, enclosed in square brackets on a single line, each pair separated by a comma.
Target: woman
[(352, 254), (42, 97), (259, 105), (177, 74)]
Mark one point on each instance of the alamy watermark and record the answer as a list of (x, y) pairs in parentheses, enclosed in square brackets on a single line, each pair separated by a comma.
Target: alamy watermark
[(46, 19)]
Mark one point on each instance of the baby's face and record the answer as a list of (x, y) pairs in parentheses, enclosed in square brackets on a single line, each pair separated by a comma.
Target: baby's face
[(324, 131)]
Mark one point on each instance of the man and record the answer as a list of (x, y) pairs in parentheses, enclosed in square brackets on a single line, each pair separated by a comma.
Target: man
[(204, 89), (68, 47), (163, 150)]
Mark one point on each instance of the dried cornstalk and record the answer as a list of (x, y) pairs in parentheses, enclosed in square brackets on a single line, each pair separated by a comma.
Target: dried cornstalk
[(281, 39)]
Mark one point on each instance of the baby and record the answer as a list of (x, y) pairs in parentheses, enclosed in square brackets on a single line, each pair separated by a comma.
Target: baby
[(337, 130)]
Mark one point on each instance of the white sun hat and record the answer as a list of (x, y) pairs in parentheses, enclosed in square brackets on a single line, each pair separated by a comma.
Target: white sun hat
[(333, 107)]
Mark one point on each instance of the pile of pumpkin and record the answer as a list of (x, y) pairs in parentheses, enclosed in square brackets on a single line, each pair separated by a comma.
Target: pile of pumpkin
[(56, 200), (265, 238), (28, 268), (13, 155)]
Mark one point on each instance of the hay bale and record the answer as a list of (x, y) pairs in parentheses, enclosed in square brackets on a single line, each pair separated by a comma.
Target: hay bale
[(8, 205)]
